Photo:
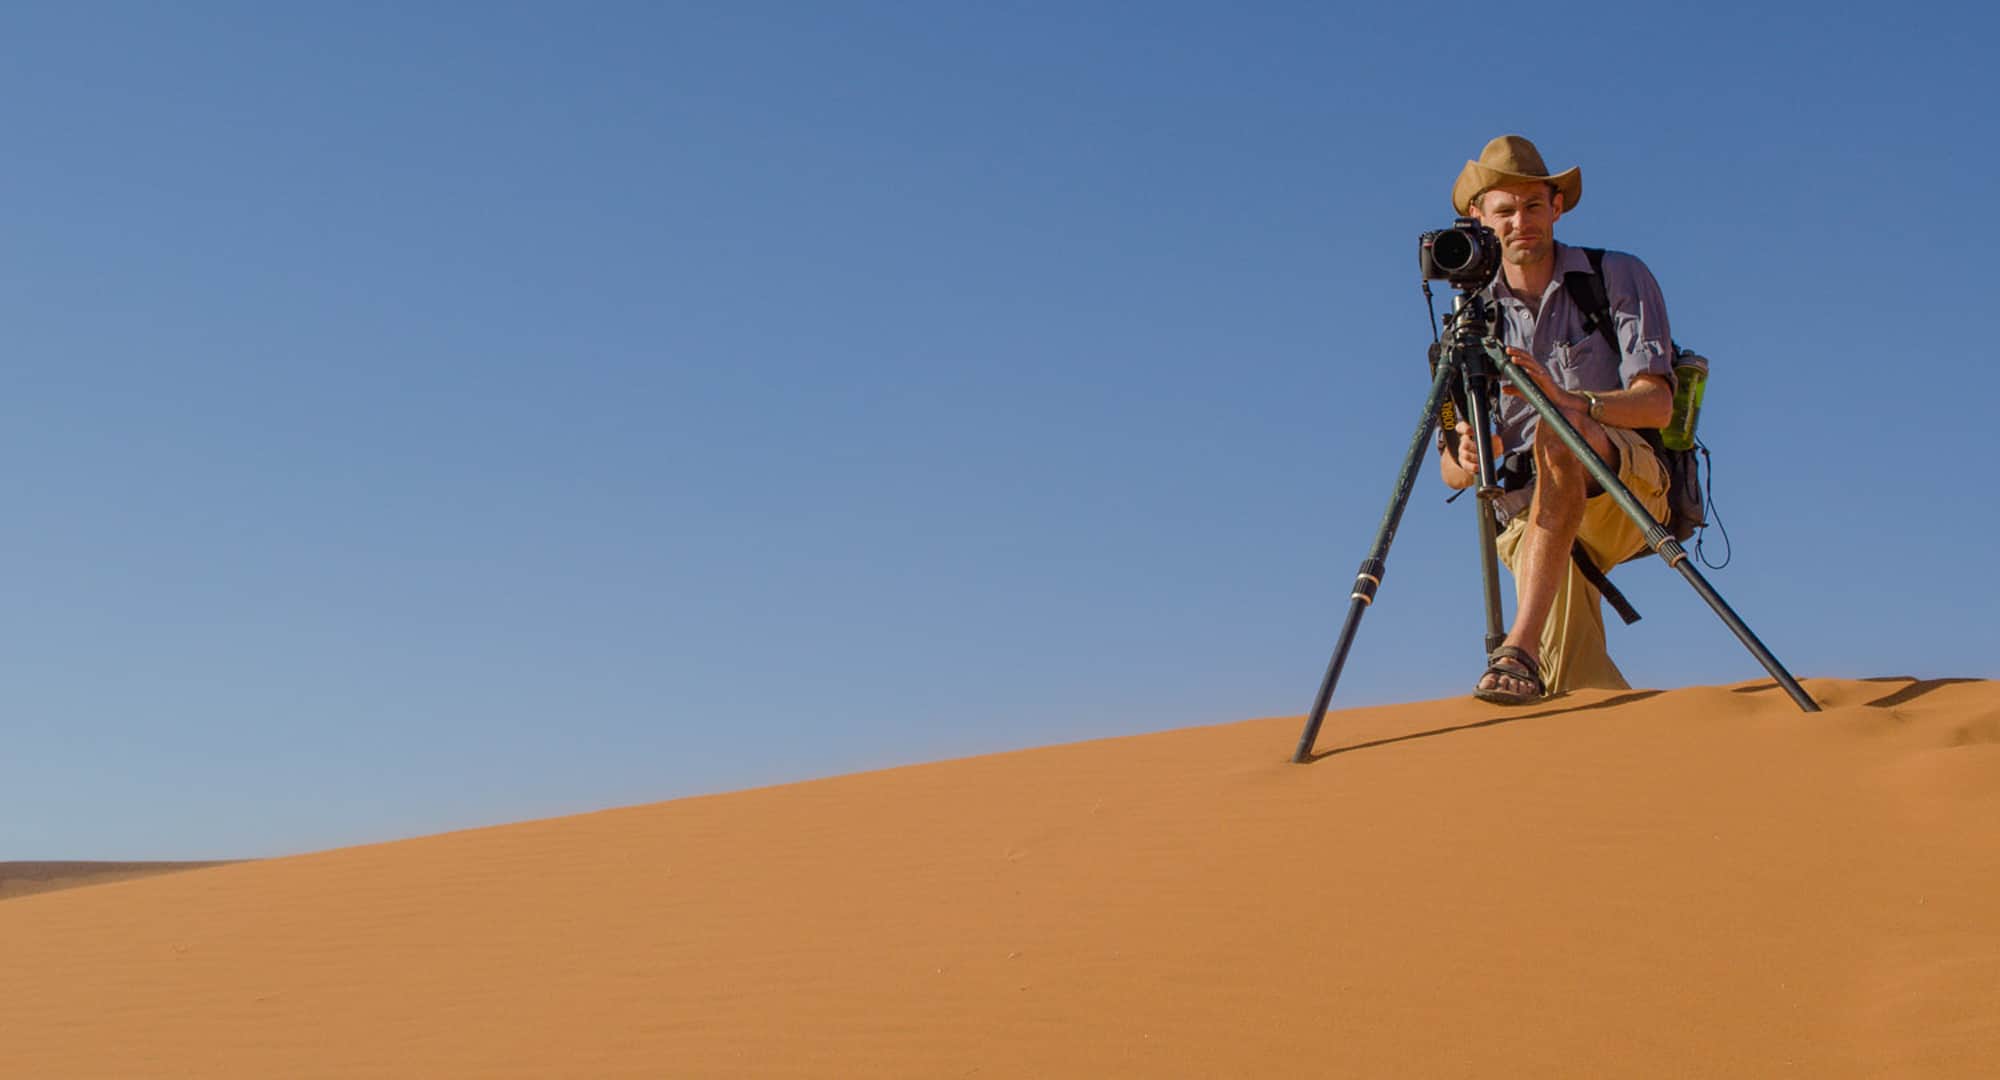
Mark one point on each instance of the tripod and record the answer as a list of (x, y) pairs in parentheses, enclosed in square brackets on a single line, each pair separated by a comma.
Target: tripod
[(1473, 357)]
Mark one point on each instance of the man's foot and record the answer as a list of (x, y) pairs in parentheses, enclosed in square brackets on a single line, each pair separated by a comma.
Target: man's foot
[(1512, 678)]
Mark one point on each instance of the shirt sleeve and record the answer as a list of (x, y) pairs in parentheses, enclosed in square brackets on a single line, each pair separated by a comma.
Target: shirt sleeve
[(1645, 343)]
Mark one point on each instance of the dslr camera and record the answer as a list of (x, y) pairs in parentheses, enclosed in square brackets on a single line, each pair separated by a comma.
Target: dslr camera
[(1467, 254)]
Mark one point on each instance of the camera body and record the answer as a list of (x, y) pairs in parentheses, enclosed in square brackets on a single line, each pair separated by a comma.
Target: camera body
[(1467, 254)]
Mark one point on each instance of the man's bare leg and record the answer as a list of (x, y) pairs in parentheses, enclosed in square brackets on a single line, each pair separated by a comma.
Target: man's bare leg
[(1561, 487)]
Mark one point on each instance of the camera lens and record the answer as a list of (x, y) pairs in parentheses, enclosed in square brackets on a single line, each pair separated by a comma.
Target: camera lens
[(1453, 250)]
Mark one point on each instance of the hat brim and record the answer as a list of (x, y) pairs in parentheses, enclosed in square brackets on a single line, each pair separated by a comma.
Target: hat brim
[(1475, 178)]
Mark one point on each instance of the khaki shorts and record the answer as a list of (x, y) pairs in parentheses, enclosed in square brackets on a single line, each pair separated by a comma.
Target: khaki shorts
[(1573, 650)]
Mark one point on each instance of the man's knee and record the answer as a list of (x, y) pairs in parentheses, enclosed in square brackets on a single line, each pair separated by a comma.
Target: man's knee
[(1554, 458), (1557, 466), (1561, 487)]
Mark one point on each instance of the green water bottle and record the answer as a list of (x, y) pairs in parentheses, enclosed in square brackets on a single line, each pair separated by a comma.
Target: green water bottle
[(1690, 379)]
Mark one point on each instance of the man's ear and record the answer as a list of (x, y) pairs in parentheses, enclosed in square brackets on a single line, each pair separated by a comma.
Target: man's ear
[(1556, 202)]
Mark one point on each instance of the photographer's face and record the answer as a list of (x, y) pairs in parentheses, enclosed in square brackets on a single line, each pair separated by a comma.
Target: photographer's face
[(1524, 217)]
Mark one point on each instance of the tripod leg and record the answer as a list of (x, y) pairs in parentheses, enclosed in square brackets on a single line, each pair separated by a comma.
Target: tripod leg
[(1657, 537), (1480, 395), (1375, 565), (1489, 573)]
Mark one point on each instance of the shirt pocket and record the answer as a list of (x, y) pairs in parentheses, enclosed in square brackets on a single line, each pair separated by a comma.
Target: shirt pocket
[(1588, 360), (1562, 361)]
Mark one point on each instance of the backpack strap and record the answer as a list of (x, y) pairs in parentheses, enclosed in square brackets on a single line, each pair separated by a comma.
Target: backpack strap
[(1587, 290)]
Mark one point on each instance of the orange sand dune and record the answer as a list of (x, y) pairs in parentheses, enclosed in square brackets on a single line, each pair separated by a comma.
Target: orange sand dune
[(1698, 883)]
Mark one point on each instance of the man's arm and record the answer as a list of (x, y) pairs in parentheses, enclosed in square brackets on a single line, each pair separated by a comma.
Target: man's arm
[(1645, 346), (1647, 403)]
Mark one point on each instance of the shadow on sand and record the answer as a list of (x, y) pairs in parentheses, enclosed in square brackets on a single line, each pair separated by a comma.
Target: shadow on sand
[(1509, 718), (1917, 688)]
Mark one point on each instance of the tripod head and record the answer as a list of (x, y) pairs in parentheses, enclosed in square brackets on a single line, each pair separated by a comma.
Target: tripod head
[(1467, 346), (1470, 320)]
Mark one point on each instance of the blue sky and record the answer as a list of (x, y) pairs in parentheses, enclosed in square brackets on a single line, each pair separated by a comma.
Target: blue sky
[(427, 416)]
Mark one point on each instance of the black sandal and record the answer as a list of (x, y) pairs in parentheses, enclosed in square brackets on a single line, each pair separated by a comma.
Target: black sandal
[(1528, 672)]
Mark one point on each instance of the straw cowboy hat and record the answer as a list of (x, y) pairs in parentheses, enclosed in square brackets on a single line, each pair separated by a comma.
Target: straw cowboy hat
[(1511, 159)]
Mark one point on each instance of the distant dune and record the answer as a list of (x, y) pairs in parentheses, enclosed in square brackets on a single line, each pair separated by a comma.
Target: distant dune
[(1698, 883), (22, 878)]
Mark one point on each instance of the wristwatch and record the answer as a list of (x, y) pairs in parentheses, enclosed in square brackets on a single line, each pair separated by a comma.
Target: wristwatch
[(1594, 403)]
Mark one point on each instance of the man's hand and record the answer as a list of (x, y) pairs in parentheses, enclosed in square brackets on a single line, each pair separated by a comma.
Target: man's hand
[(1563, 399), (1467, 458)]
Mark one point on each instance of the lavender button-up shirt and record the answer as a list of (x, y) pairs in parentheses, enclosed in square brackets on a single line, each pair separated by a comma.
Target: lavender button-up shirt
[(1580, 359)]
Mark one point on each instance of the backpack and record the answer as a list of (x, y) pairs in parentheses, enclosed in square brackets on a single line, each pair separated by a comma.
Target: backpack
[(1685, 511)]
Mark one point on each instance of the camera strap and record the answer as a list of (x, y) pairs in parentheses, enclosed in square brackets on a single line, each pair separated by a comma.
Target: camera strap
[(1588, 568)]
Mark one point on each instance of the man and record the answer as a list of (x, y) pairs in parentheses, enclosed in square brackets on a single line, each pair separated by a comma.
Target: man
[(1556, 642)]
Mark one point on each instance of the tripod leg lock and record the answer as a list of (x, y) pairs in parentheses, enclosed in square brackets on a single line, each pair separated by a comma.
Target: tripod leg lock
[(1368, 580)]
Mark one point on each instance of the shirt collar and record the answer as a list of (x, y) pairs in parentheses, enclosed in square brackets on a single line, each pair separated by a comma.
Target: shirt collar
[(1569, 260)]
